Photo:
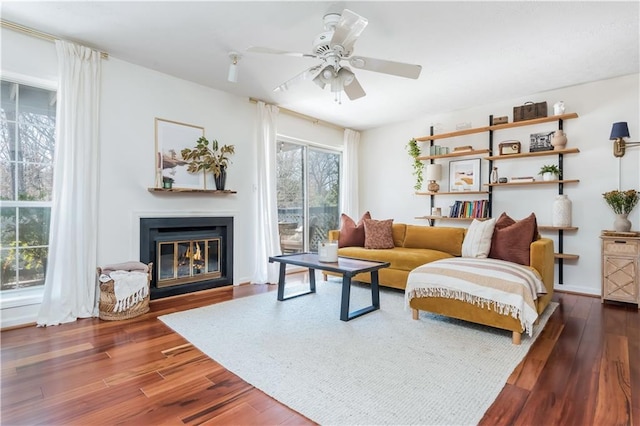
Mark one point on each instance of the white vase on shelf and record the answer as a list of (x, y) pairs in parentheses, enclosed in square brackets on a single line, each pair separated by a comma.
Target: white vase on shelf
[(561, 211)]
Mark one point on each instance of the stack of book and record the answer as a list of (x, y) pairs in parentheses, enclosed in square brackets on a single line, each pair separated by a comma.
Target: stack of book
[(470, 209), (516, 179)]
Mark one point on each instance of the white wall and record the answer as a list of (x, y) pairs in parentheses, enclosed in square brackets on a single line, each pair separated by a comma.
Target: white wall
[(132, 97), (387, 189)]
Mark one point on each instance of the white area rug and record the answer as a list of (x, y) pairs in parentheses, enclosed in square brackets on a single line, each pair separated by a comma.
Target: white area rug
[(381, 368)]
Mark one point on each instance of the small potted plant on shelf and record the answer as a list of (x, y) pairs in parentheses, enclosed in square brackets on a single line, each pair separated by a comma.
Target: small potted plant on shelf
[(418, 165), (209, 157), (549, 172), (167, 182)]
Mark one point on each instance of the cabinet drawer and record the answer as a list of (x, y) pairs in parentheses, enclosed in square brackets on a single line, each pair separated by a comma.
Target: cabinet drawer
[(621, 247)]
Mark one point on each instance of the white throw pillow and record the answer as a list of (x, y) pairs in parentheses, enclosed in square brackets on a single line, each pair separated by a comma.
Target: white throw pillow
[(477, 241)]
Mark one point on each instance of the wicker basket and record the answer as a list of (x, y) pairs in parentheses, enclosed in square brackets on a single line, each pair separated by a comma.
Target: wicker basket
[(108, 301)]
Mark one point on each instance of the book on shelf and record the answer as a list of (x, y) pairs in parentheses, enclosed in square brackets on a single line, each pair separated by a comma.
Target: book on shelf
[(469, 209), (522, 179)]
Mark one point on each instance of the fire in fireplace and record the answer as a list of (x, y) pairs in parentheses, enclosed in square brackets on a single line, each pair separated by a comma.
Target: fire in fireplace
[(189, 253)]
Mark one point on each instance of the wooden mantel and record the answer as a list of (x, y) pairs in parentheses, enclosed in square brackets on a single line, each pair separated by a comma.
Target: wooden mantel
[(191, 191)]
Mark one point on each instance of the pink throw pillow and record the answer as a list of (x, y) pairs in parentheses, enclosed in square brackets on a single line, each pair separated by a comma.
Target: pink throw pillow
[(378, 234)]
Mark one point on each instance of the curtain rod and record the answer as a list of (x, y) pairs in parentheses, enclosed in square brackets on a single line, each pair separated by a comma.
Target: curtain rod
[(38, 34), (300, 115)]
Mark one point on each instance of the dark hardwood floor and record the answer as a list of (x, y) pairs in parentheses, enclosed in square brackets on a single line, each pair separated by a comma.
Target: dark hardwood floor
[(583, 370)]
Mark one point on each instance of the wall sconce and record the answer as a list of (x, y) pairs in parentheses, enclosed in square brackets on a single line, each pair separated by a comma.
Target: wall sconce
[(434, 173), (619, 131), (233, 68)]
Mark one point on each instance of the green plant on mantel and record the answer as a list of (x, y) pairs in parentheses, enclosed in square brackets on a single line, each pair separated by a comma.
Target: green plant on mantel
[(207, 158), (418, 165)]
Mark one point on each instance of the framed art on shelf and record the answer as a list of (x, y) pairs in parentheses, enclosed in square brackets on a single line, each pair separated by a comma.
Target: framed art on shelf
[(464, 175), (540, 142), (171, 138)]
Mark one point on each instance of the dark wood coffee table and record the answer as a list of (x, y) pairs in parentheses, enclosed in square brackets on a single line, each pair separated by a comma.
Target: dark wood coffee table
[(346, 266)]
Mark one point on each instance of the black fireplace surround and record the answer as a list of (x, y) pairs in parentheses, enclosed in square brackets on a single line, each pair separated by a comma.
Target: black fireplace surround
[(154, 229)]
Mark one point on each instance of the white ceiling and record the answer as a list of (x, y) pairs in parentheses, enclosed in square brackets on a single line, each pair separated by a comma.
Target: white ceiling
[(471, 53)]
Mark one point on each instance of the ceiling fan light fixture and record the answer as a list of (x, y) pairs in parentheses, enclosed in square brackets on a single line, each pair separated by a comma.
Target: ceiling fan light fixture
[(319, 82), (345, 76), (232, 76), (357, 62)]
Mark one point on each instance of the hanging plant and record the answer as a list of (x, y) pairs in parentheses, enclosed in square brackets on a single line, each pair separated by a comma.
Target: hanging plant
[(418, 165)]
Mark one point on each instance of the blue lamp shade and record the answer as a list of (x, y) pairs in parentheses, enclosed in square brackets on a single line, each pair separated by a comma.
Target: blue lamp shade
[(619, 130)]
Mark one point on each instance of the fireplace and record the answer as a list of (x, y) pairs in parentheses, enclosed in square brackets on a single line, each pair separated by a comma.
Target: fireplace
[(188, 253)]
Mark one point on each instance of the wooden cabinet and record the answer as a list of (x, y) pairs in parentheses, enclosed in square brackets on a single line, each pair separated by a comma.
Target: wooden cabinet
[(620, 261)]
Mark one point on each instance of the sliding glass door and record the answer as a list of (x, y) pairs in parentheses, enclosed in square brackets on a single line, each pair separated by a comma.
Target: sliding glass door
[(308, 195)]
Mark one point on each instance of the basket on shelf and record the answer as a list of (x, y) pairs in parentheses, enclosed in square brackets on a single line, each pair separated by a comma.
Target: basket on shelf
[(108, 301)]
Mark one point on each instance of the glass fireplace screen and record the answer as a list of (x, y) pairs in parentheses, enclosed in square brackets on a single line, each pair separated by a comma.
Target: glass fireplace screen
[(188, 261)]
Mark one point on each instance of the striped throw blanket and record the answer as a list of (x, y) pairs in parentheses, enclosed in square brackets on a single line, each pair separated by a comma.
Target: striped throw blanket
[(504, 287)]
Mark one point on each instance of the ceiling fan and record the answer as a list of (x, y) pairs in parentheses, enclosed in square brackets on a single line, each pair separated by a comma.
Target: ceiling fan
[(335, 45)]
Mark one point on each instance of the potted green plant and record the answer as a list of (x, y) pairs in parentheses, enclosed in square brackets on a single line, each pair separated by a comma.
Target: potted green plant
[(549, 171), (418, 165), (209, 157), (167, 182)]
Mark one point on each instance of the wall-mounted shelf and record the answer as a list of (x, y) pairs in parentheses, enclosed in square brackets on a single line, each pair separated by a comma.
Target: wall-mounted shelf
[(566, 256), (533, 154), (560, 256), (464, 132), (467, 219), (452, 193), (191, 191), (455, 154), (537, 182), (557, 228)]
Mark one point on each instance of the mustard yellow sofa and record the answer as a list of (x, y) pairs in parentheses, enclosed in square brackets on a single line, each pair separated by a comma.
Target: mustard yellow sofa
[(416, 245)]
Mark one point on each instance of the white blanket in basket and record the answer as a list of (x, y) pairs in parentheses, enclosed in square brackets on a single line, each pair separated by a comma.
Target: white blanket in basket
[(130, 287)]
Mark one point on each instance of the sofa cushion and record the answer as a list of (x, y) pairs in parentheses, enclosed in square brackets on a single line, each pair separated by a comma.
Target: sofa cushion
[(378, 234), (441, 238), (399, 257), (512, 239), (399, 230), (350, 233), (477, 240)]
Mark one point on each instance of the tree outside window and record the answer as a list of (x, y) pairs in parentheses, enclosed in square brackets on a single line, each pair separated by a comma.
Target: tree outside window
[(27, 146)]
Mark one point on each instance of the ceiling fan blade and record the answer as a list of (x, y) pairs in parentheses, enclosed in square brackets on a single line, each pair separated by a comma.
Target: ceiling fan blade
[(354, 90), (259, 49), (400, 69), (308, 74), (348, 30)]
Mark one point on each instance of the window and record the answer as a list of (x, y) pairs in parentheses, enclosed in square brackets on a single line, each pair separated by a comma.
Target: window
[(27, 143), (308, 187)]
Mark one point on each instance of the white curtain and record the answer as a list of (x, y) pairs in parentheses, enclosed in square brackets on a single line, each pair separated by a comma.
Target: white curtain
[(70, 286), (266, 238), (349, 189)]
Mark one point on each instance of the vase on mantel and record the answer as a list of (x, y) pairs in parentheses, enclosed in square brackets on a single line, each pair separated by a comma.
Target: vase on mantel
[(221, 179), (561, 211), (622, 224)]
